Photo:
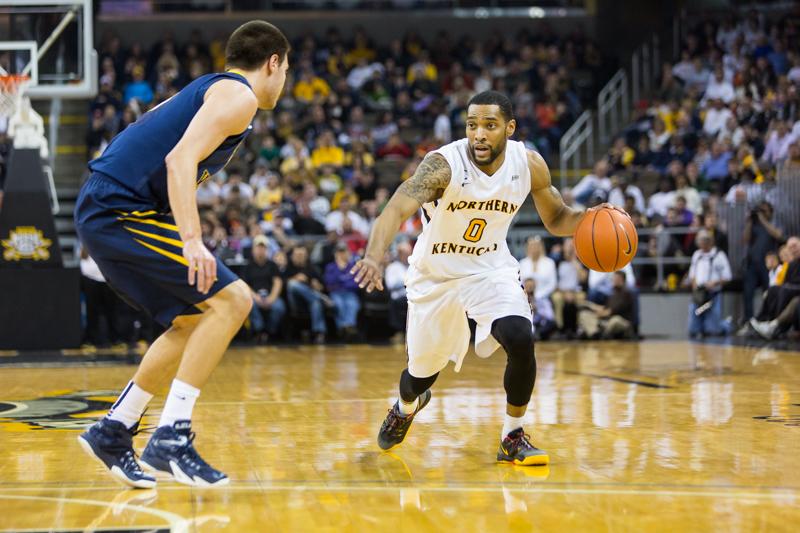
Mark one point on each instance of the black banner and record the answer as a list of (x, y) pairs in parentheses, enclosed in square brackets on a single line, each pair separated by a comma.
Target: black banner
[(28, 236)]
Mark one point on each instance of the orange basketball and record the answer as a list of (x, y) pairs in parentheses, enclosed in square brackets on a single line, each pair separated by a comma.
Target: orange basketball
[(606, 240)]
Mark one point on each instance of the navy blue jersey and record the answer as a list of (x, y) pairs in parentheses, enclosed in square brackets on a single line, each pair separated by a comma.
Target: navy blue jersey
[(135, 157)]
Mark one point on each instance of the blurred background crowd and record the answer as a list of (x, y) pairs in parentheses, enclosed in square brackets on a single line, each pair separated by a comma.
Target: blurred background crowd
[(293, 211)]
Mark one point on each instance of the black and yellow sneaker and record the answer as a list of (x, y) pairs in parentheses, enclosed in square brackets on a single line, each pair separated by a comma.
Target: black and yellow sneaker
[(517, 449), (395, 426)]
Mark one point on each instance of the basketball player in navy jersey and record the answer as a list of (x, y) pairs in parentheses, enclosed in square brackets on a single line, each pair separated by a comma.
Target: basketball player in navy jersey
[(469, 192), (137, 216)]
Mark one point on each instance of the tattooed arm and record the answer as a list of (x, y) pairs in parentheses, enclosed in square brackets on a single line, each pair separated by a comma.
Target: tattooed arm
[(426, 185)]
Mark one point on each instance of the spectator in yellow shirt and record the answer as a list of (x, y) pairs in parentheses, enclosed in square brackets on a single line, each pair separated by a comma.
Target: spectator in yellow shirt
[(310, 88), (326, 152), (271, 194), (362, 49), (422, 69)]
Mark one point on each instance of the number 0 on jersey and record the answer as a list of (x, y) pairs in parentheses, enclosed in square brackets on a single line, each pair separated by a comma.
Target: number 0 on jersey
[(475, 230)]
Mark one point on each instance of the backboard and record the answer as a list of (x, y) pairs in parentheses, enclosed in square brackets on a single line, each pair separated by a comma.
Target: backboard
[(52, 42)]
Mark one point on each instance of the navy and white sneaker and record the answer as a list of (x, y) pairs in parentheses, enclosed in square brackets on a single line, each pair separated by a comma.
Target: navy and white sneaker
[(111, 443), (170, 451)]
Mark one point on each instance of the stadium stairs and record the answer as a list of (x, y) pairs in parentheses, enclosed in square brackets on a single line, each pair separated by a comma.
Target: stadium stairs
[(70, 166)]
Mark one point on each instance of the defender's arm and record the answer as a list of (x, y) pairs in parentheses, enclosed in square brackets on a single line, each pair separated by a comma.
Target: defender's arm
[(228, 108), (426, 185)]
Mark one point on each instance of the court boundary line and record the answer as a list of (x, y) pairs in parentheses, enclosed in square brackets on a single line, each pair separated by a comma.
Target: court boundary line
[(258, 486), (175, 522)]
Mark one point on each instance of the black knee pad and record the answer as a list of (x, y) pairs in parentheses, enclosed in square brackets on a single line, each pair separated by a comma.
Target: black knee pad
[(411, 387), (515, 335)]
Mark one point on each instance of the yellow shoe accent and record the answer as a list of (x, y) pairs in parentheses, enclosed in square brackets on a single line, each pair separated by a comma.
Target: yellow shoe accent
[(533, 460)]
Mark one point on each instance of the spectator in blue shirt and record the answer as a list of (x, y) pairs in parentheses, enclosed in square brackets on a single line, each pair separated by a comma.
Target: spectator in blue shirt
[(778, 59), (716, 166), (343, 290), (138, 88)]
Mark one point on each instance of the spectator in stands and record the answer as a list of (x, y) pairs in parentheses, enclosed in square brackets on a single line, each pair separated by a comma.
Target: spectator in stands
[(335, 219), (710, 224), (601, 284), (776, 315), (571, 275), (311, 211), (269, 196), (395, 148), (101, 305), (384, 129), (662, 200), (777, 148), (236, 186), (684, 215), (310, 88), (304, 289), (622, 187), (719, 87), (775, 267), (591, 183), (716, 166), (612, 320), (762, 235), (343, 290), (542, 311), (138, 88), (659, 136), (327, 153), (717, 115), (708, 273), (537, 266), (395, 276), (692, 196), (266, 285)]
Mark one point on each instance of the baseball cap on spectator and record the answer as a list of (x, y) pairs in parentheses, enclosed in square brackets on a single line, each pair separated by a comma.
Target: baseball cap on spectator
[(260, 240)]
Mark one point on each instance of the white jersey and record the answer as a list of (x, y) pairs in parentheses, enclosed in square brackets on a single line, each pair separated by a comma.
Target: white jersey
[(464, 232)]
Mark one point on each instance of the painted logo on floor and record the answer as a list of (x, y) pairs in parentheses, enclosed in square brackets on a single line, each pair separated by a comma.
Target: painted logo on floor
[(71, 410)]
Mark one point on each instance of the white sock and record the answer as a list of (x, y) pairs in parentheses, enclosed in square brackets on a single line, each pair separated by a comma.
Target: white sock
[(130, 405), (510, 423), (180, 403), (407, 408)]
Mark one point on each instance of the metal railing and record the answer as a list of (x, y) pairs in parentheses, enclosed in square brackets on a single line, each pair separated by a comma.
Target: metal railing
[(518, 237), (645, 67), (613, 106), (576, 146), (784, 195)]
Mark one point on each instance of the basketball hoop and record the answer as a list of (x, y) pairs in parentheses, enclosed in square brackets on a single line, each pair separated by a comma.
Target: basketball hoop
[(12, 87)]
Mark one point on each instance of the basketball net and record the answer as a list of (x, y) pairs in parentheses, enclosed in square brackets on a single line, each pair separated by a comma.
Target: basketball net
[(24, 125), (12, 87)]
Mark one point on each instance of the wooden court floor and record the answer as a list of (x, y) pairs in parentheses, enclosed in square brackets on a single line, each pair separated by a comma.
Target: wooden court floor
[(655, 436)]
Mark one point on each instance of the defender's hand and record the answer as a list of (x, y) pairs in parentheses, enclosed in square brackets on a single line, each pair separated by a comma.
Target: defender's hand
[(369, 274), (202, 265)]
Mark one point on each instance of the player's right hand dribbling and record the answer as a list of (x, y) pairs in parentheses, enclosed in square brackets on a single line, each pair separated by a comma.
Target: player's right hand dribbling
[(368, 273), (202, 264)]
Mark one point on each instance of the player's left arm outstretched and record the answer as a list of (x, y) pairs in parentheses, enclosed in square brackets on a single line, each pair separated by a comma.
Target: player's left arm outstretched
[(559, 219)]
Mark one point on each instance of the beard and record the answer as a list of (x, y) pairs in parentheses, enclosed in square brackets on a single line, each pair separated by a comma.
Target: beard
[(494, 153)]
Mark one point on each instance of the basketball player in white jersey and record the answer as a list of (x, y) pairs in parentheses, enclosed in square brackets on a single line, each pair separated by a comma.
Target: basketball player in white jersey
[(469, 191)]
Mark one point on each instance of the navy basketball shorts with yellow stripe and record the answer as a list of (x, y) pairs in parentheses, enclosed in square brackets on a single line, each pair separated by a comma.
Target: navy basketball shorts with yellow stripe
[(139, 251)]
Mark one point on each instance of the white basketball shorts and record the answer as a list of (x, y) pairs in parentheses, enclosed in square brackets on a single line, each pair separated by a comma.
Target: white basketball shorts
[(437, 328)]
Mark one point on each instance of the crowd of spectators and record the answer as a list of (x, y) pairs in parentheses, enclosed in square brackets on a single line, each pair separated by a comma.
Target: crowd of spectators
[(570, 301), (355, 119), (720, 129)]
